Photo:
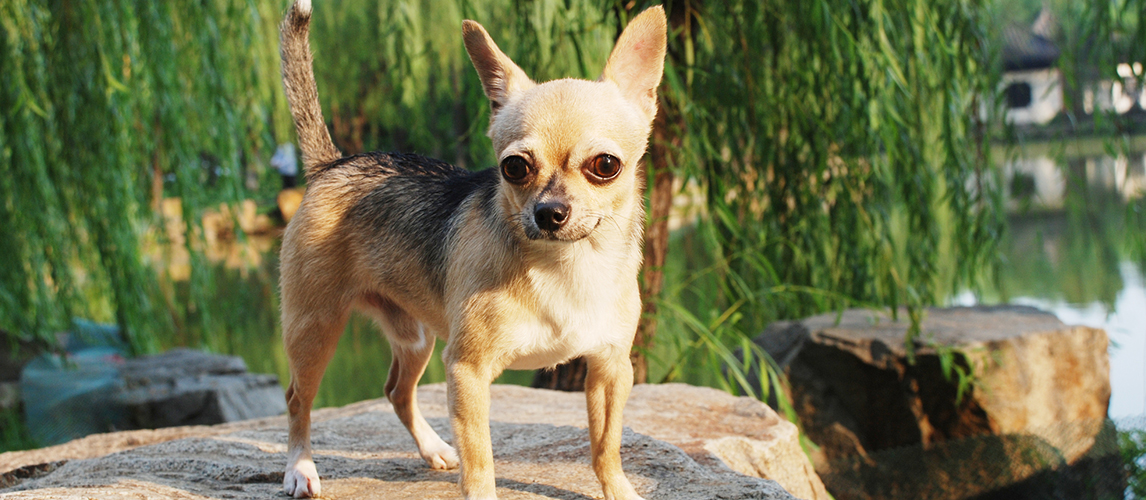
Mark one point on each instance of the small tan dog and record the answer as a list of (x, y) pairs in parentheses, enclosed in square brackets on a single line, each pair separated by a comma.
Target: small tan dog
[(524, 266)]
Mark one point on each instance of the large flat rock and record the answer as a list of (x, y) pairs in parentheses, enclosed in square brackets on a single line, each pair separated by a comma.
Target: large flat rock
[(363, 451), (1023, 371), (992, 377)]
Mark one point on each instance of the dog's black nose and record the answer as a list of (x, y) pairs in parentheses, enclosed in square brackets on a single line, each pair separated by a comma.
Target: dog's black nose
[(551, 216)]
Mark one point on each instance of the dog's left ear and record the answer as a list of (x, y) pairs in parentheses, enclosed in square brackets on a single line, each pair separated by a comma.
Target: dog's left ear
[(638, 59)]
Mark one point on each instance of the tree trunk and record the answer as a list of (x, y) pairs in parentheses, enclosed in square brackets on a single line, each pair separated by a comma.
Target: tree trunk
[(659, 172)]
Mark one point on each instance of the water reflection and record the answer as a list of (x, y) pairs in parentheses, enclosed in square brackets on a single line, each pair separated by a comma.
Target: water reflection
[(1043, 176)]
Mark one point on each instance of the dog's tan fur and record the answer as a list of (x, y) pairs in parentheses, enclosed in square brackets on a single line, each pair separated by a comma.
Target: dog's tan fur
[(506, 284)]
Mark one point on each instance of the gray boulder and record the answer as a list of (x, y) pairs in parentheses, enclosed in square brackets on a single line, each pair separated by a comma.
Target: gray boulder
[(96, 390), (187, 387)]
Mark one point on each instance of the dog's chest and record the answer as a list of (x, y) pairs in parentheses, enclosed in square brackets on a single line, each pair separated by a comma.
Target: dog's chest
[(576, 312)]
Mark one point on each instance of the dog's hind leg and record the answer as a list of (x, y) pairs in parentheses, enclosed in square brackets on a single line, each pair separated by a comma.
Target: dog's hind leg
[(411, 347), (310, 341)]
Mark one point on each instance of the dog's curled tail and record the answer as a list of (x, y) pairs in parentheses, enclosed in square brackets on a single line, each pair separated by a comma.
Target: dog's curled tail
[(301, 91)]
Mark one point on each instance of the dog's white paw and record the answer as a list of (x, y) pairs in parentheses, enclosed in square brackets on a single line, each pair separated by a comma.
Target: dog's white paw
[(301, 480), (620, 489), (440, 455)]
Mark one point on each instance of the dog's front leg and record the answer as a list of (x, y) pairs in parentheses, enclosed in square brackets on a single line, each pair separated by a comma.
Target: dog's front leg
[(468, 388), (607, 387)]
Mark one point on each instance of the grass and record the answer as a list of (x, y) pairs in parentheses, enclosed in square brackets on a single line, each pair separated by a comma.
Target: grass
[(14, 435)]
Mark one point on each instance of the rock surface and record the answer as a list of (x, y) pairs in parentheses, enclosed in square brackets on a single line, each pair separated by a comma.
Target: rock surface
[(364, 452), (1011, 370), (187, 387), (714, 428)]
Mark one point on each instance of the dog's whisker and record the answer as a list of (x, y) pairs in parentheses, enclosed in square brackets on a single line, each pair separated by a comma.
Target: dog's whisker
[(615, 223), (611, 218)]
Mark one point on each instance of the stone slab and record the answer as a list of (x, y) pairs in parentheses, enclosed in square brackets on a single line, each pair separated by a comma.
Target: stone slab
[(369, 455), (718, 432)]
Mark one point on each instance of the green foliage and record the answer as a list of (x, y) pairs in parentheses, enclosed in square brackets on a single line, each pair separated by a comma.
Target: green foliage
[(14, 435), (394, 75), (956, 367), (842, 148), (100, 102), (835, 143), (1132, 443)]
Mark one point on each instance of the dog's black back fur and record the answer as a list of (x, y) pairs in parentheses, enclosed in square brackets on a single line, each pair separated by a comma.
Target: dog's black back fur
[(415, 197)]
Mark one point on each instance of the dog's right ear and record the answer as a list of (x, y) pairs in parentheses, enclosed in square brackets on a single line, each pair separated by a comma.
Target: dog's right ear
[(500, 77)]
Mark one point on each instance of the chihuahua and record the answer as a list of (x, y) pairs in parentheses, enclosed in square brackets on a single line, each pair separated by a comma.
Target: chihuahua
[(523, 266)]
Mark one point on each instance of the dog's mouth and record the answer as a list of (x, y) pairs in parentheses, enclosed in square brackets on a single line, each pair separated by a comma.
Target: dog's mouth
[(567, 233)]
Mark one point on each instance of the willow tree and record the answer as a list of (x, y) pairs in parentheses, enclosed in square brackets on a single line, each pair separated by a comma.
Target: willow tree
[(842, 150), (393, 75), (839, 146), (106, 106)]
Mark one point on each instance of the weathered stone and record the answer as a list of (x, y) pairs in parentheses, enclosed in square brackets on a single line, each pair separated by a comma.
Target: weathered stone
[(186, 387), (95, 390), (977, 371), (717, 430), (204, 400), (740, 432), (366, 453), (178, 363), (97, 445)]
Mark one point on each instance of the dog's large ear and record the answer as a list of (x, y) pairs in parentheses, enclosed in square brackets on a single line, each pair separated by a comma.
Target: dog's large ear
[(500, 77), (638, 59)]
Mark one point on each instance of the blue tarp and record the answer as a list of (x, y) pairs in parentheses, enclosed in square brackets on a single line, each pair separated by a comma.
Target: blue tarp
[(69, 396)]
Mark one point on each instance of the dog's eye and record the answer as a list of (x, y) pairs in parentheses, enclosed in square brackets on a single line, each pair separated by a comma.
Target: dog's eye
[(603, 167), (515, 169)]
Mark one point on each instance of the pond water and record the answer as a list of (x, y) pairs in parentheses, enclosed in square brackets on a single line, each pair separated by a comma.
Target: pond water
[(1066, 253)]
